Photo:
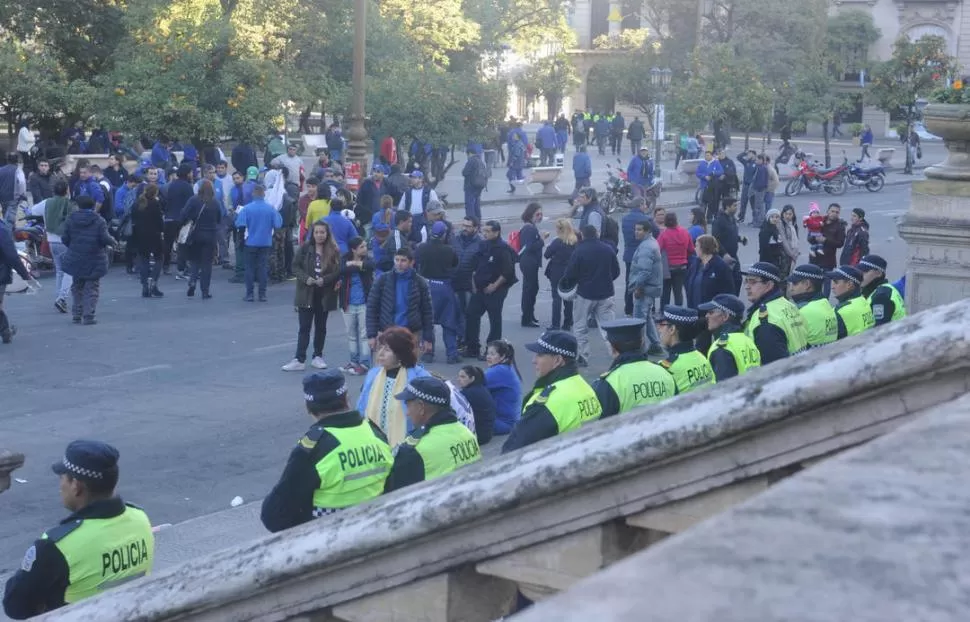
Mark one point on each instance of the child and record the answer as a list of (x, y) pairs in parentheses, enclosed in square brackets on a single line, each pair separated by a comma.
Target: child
[(357, 276), (813, 224)]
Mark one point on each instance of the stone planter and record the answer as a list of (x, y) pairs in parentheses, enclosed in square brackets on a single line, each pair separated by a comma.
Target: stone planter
[(951, 122), (8, 462)]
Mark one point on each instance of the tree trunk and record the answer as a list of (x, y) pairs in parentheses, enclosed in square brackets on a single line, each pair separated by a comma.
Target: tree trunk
[(909, 130), (305, 120), (825, 137), (747, 140)]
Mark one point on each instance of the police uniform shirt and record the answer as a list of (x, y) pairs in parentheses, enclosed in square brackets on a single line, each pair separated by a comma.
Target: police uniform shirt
[(696, 376), (537, 422), (770, 339), (409, 467), (43, 578), (609, 400), (721, 359), (881, 301), (290, 503)]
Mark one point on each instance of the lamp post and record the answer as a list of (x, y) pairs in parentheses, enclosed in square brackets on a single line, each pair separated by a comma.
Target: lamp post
[(660, 79), (357, 131)]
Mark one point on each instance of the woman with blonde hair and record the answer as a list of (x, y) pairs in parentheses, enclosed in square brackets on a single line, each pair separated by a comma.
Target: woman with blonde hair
[(558, 253)]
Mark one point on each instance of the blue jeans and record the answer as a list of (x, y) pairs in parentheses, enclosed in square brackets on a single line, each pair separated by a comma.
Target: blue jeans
[(644, 308), (355, 319), (444, 305), (257, 266), (10, 213), (462, 299), (64, 280), (473, 204)]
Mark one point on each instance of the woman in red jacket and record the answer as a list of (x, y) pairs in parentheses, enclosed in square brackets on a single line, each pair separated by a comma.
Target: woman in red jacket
[(677, 247)]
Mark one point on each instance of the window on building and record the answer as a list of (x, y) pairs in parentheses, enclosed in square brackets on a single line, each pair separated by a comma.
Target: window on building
[(853, 61), (599, 22), (631, 14)]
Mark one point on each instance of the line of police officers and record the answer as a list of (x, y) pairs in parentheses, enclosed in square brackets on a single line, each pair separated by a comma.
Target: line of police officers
[(344, 459)]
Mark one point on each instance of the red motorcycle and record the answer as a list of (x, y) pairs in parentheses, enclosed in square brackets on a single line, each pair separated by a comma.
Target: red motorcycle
[(812, 176)]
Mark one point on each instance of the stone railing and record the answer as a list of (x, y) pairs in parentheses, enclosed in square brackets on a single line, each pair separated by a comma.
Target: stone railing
[(543, 518), (878, 533), (9, 462)]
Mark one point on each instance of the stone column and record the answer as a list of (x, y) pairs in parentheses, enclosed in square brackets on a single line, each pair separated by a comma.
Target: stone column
[(937, 225), (357, 130), (9, 461)]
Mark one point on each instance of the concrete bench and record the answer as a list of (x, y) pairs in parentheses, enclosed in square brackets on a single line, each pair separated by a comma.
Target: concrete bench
[(885, 156), (547, 176), (314, 142)]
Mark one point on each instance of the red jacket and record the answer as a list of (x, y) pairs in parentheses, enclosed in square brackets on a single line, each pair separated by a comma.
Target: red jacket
[(677, 244)]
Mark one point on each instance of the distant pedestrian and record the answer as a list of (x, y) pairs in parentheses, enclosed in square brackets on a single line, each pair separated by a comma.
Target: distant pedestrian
[(493, 276), (865, 140), (205, 211), (437, 261), (475, 176), (676, 244), (25, 143), (86, 237), (856, 239), (582, 169), (471, 380), (532, 242), (504, 382), (357, 277), (9, 263), (636, 134), (592, 269), (259, 218), (558, 253), (516, 161), (148, 228), (401, 298)]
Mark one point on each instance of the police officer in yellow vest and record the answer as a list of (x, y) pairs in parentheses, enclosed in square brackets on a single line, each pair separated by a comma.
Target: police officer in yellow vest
[(439, 443), (853, 311), (886, 301), (805, 288), (678, 327), (632, 380), (104, 543), (561, 400), (342, 460), (772, 322), (733, 353)]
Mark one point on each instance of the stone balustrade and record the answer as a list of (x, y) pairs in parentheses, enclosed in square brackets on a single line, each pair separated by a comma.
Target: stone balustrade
[(9, 462), (542, 519)]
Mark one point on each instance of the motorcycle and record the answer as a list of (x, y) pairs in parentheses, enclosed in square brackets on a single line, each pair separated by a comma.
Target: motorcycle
[(872, 179), (619, 191), (33, 238), (17, 284), (813, 177)]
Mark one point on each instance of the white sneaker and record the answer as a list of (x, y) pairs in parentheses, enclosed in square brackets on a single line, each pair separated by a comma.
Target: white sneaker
[(318, 363), (294, 365)]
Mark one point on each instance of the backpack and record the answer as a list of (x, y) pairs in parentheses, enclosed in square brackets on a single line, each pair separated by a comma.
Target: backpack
[(479, 178), (515, 242)]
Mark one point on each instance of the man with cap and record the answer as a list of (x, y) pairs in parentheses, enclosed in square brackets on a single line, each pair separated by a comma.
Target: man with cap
[(886, 301), (437, 261), (415, 200), (561, 400), (773, 322), (259, 219), (433, 215), (632, 380), (805, 288), (439, 443), (103, 543), (342, 460), (678, 327), (853, 311), (640, 172), (733, 353)]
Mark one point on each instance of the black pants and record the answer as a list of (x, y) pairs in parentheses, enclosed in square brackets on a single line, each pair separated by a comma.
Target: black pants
[(145, 255), (530, 289), (201, 255), (627, 294), (675, 284), (562, 310), (316, 316), (288, 252), (171, 235), (480, 304)]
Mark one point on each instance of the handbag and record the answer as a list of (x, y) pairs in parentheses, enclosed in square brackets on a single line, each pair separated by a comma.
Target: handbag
[(187, 232)]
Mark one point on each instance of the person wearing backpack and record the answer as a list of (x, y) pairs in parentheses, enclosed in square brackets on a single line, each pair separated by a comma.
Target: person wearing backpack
[(590, 213), (476, 178)]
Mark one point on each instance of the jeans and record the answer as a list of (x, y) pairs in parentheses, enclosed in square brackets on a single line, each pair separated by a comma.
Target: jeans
[(62, 288), (644, 308), (257, 267), (769, 201), (473, 204), (480, 304), (530, 288), (201, 256), (315, 316), (602, 310), (222, 240), (562, 310), (865, 152), (85, 293), (547, 157), (355, 319), (635, 146), (601, 144), (171, 234), (462, 298), (4, 321), (627, 294), (675, 284), (10, 212), (145, 255), (443, 304), (743, 201), (757, 207)]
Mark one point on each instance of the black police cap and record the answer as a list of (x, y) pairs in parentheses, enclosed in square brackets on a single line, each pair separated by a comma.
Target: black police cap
[(731, 305), (872, 262), (624, 329), (89, 461), (807, 272), (559, 342), (323, 388), (680, 316), (426, 389), (764, 270), (845, 273)]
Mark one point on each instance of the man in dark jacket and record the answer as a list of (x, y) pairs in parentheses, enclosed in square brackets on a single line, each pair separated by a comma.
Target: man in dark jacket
[(833, 236), (398, 239), (401, 298), (466, 244), (725, 231), (39, 184), (179, 193), (9, 263), (747, 160), (636, 134), (437, 261), (494, 274), (593, 267), (475, 175), (369, 197), (86, 236), (616, 133), (243, 156)]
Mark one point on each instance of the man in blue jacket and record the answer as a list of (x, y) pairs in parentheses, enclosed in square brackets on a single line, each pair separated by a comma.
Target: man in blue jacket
[(708, 172), (748, 163), (9, 263), (466, 244), (161, 153), (259, 218), (546, 141), (602, 132), (592, 268), (582, 169), (640, 172), (631, 219)]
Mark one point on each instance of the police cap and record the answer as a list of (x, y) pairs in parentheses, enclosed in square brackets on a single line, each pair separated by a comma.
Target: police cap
[(679, 316), (731, 305), (325, 389), (89, 461), (845, 273), (559, 342), (807, 272), (426, 389), (626, 329), (764, 270), (872, 262)]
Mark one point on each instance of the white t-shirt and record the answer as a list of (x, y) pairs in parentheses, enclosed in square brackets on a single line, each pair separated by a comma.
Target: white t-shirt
[(416, 194)]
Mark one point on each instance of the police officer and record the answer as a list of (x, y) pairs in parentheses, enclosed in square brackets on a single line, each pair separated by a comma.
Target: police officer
[(772, 321), (437, 262), (342, 460), (886, 301), (733, 353), (439, 443), (805, 288), (678, 327), (561, 400), (104, 543), (631, 380), (853, 311)]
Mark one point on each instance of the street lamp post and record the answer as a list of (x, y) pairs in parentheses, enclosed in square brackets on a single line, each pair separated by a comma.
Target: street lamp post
[(660, 79), (357, 130)]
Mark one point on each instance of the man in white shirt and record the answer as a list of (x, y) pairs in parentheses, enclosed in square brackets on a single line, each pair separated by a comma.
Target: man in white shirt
[(415, 201), (25, 142), (293, 163)]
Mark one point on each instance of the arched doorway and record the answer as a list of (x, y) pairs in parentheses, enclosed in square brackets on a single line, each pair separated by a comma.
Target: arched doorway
[(599, 91)]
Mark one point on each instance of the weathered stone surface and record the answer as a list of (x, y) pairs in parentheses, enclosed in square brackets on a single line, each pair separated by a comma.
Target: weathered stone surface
[(9, 461), (879, 533), (770, 419)]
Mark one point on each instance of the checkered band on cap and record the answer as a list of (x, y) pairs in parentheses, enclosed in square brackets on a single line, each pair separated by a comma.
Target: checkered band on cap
[(77, 470), (336, 393), (721, 307), (318, 512), (808, 275), (685, 319), (763, 274), (845, 275), (424, 397), (560, 351), (870, 265)]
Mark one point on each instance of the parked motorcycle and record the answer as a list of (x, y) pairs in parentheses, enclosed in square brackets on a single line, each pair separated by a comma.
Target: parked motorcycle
[(619, 192), (813, 177), (33, 238), (872, 179)]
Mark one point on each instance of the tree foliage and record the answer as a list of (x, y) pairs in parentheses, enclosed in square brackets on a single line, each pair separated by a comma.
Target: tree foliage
[(627, 73), (550, 77)]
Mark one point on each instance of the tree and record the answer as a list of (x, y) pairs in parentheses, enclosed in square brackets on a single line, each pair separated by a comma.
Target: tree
[(915, 69), (627, 73), (550, 77)]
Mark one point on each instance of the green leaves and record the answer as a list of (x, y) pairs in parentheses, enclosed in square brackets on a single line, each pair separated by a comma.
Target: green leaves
[(915, 69)]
